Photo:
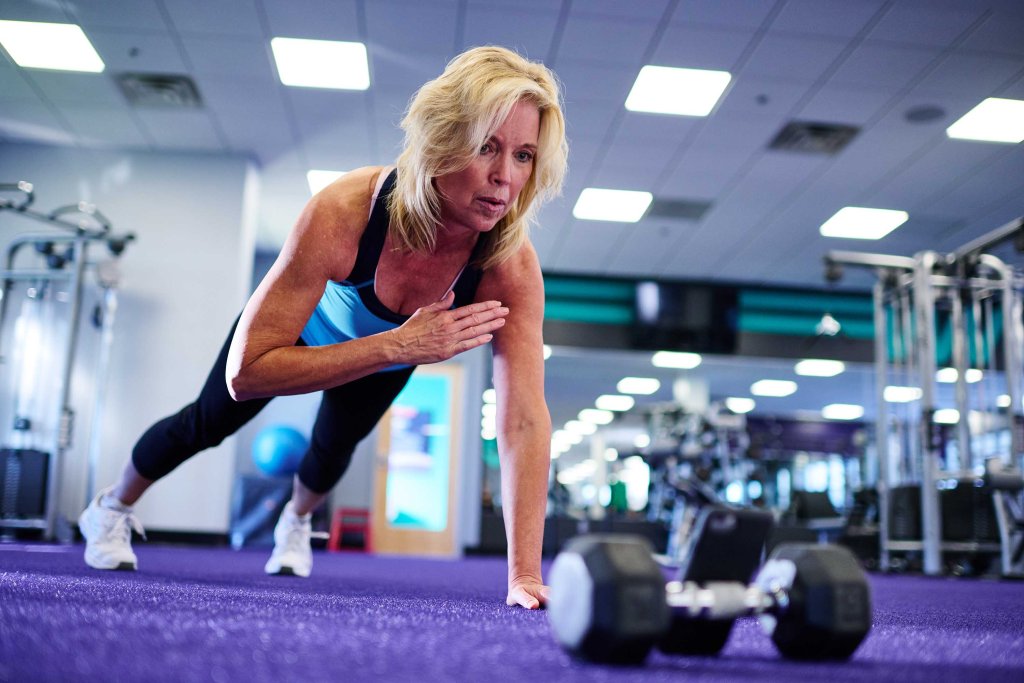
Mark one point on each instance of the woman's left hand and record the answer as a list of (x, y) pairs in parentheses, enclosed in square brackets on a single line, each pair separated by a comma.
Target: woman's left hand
[(530, 594)]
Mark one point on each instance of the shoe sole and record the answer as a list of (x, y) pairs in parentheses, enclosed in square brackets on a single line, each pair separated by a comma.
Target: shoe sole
[(285, 570)]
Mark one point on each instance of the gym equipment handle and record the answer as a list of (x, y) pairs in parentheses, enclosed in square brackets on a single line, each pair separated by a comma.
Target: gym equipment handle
[(721, 600)]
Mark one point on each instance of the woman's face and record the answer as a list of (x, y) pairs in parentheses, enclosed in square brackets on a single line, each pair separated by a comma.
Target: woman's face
[(477, 197)]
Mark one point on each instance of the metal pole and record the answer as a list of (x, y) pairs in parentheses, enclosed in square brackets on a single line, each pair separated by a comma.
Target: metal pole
[(882, 420), (1013, 338), (958, 327), (924, 307), (65, 416)]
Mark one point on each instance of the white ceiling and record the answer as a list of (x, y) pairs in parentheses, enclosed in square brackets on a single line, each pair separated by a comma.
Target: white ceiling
[(860, 62)]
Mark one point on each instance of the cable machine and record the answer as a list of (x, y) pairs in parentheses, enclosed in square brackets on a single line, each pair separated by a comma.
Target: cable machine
[(962, 310), (47, 281)]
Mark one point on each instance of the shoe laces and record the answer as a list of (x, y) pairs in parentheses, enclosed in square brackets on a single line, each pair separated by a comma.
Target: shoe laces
[(297, 538), (123, 524)]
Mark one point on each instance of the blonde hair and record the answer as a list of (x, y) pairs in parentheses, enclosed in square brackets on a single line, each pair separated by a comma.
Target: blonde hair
[(449, 119)]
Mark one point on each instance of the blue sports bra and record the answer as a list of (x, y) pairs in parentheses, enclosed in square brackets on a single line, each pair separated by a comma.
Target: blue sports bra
[(350, 309)]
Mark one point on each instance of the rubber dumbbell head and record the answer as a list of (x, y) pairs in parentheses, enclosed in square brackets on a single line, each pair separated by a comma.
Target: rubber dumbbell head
[(607, 599), (823, 601)]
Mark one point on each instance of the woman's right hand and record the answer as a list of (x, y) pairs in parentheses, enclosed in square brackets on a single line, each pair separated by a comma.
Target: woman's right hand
[(434, 333)]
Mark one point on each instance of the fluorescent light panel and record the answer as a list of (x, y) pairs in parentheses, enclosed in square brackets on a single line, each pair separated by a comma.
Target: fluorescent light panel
[(580, 427), (490, 396), (996, 119), (638, 385), (813, 367), (39, 45), (842, 411), (321, 63), (1003, 401), (596, 416), (614, 402), (682, 92), (947, 416), (949, 375), (318, 180), (619, 206), (773, 387), (739, 404), (861, 223), (894, 394), (675, 359)]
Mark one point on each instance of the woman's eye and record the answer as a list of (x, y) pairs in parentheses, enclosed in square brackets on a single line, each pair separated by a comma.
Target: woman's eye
[(487, 148), (525, 156)]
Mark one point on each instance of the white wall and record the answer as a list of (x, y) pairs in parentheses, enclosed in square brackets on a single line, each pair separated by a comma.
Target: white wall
[(184, 280)]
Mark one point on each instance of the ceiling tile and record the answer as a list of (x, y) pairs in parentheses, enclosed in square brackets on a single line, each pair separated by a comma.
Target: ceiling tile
[(236, 57), (649, 9), (104, 15), (839, 104), (700, 47), (180, 129), (222, 18), (335, 19), (826, 17), (590, 41), (751, 96), (413, 30), (578, 82), (528, 32), (401, 71), (638, 248), (887, 68), (749, 14), (33, 122), (14, 83), (793, 58), (139, 51), (68, 87), (33, 10), (105, 126), (971, 74), (1001, 32), (925, 22)]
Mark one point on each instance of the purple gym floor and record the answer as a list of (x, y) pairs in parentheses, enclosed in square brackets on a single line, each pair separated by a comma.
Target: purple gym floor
[(209, 614)]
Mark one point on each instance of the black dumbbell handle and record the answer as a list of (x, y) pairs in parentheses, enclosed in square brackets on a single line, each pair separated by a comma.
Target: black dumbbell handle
[(723, 600)]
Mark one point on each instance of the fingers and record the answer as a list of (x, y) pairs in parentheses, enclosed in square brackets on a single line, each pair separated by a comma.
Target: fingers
[(444, 303), (530, 597)]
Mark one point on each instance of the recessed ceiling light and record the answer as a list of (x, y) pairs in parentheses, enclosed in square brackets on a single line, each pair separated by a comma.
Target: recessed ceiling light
[(580, 427), (675, 359), (318, 180), (614, 402), (813, 367), (684, 92), (894, 394), (739, 405), (638, 385), (321, 63), (842, 411), (490, 396), (996, 119), (619, 206), (642, 441), (1003, 400), (946, 416), (598, 417), (860, 223), (773, 387), (949, 375), (39, 45)]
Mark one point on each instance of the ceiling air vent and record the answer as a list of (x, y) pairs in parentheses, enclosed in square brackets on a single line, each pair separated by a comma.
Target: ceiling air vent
[(160, 90), (678, 209), (814, 138)]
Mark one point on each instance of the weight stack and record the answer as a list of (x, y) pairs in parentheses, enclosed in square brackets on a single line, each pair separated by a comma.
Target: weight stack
[(23, 476)]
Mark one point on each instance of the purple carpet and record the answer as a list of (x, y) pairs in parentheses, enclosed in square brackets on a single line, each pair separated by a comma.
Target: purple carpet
[(202, 614)]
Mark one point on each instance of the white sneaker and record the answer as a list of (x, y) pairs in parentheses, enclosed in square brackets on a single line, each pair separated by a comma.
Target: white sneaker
[(108, 535), (293, 555)]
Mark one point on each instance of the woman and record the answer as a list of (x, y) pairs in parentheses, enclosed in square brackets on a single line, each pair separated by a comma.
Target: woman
[(387, 269)]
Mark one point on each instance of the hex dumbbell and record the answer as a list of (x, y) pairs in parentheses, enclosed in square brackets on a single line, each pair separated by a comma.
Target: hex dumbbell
[(610, 603)]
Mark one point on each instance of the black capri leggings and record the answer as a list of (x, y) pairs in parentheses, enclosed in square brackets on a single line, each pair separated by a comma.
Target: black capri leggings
[(347, 414)]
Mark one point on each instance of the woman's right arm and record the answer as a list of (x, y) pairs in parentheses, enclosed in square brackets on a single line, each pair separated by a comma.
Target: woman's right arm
[(264, 360)]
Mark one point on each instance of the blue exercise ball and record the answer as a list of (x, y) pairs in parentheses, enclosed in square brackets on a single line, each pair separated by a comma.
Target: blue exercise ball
[(278, 450)]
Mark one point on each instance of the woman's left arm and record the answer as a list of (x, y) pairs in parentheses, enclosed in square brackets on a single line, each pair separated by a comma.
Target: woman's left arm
[(524, 424)]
